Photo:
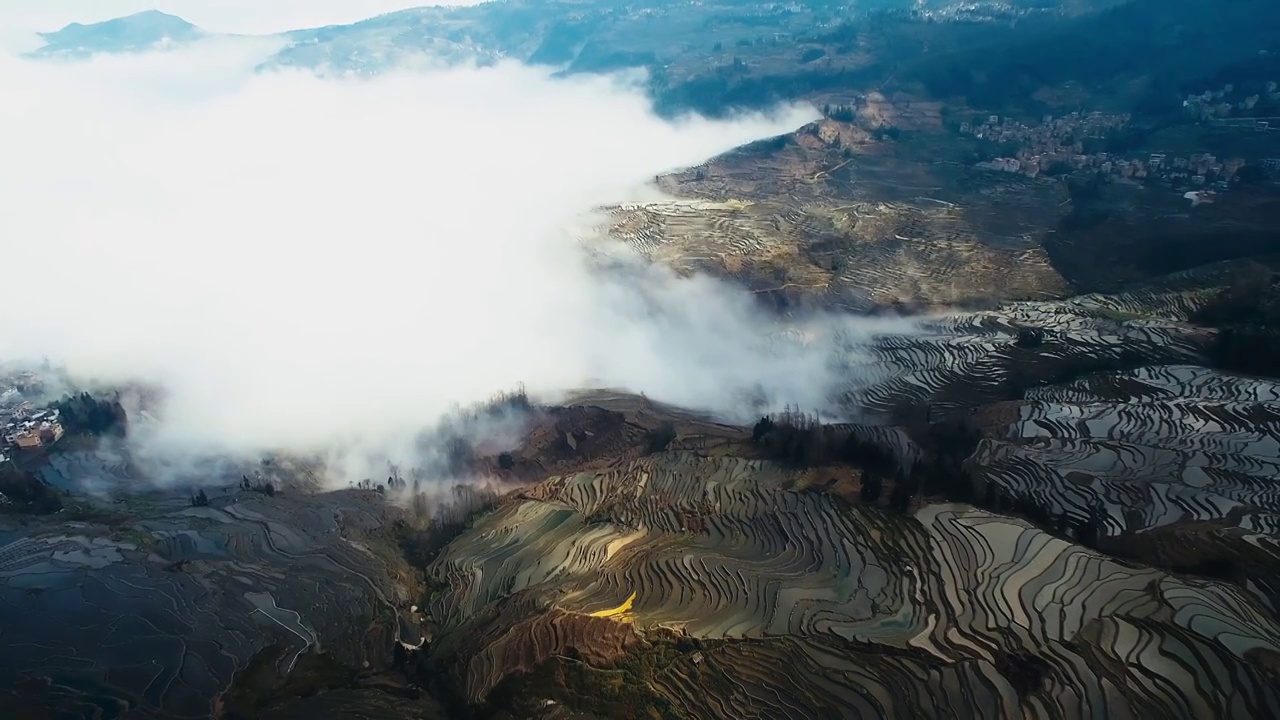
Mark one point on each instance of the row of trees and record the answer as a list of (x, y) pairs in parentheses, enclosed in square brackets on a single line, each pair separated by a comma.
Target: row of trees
[(257, 484), (801, 440), (86, 414), (842, 113), (452, 440), (436, 524), (1247, 315)]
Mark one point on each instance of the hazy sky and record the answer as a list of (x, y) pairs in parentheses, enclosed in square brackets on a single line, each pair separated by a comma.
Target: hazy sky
[(300, 259), (20, 19)]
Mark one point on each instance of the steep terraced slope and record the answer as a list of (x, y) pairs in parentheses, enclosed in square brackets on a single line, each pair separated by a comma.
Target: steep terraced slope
[(873, 614), (159, 610), (966, 360), (826, 215), (1180, 460)]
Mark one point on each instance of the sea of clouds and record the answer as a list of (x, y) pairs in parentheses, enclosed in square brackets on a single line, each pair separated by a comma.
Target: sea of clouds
[(302, 262)]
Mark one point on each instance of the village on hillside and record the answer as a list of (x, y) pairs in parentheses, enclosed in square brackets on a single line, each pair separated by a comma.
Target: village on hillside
[(23, 425), (1060, 145)]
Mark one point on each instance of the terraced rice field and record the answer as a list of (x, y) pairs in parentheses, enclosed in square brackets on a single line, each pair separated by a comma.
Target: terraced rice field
[(1158, 448), (962, 361), (801, 601), (1175, 458), (866, 256), (868, 230), (871, 614), (158, 610)]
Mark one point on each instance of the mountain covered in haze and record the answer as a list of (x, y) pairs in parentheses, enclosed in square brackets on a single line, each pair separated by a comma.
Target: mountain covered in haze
[(721, 56), (133, 33)]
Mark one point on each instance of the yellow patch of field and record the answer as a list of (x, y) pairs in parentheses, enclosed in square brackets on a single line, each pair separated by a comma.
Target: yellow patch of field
[(614, 612)]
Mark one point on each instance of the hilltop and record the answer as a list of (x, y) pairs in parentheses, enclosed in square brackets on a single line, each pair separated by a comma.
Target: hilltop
[(133, 33)]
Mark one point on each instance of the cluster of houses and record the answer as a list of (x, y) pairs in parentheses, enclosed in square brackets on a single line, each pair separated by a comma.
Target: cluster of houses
[(972, 12), (1056, 141), (1232, 102), (1198, 170), (1059, 142), (25, 429), (1065, 134), (22, 425)]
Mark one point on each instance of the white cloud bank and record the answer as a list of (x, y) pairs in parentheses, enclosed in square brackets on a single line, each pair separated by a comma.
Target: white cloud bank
[(301, 260)]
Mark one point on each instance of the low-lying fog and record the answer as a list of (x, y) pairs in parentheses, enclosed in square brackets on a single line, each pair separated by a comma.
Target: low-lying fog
[(303, 262)]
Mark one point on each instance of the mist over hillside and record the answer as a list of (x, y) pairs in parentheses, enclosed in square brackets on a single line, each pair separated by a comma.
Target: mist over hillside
[(596, 360), (720, 58), (304, 262)]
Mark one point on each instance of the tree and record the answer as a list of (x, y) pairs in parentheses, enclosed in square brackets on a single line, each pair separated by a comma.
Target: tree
[(761, 429), (1251, 174), (200, 499), (871, 487), (1029, 338), (903, 491), (661, 436), (888, 133), (1091, 530), (1059, 523)]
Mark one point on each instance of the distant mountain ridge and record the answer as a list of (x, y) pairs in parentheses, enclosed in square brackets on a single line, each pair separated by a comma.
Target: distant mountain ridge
[(723, 56), (132, 33)]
